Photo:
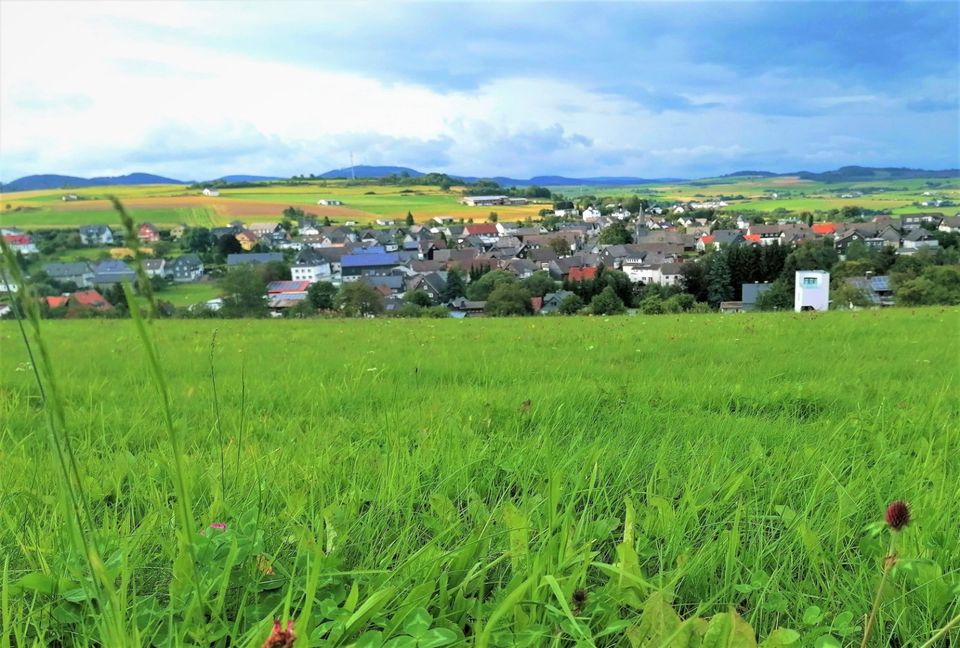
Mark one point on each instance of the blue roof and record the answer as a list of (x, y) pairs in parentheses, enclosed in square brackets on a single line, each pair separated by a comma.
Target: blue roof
[(373, 249), (364, 260), (112, 266), (880, 283)]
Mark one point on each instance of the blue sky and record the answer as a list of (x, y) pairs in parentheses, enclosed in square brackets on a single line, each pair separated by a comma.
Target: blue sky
[(197, 90)]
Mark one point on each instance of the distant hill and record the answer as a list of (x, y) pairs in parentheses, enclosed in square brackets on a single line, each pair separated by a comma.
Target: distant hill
[(51, 181), (749, 174), (246, 178), (365, 171), (859, 173)]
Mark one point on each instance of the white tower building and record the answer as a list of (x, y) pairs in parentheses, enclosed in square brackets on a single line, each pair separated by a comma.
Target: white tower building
[(811, 290)]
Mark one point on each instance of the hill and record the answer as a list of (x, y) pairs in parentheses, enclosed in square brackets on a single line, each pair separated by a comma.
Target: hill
[(366, 171), (52, 181), (246, 178), (860, 174)]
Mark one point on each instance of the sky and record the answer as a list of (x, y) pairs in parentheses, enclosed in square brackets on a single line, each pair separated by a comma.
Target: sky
[(199, 90)]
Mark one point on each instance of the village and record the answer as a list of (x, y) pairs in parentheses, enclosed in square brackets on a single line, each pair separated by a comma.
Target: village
[(563, 262)]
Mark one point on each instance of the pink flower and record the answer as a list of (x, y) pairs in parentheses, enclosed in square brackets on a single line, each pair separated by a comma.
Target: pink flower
[(280, 637), (219, 525)]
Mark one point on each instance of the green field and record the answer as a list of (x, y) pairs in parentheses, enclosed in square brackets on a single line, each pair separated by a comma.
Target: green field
[(167, 205), (488, 482)]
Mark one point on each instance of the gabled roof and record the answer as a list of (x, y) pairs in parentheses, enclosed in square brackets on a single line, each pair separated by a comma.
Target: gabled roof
[(253, 257), (56, 302), (90, 299), (287, 286), (582, 274), (823, 229), (57, 270), (481, 228), (186, 260), (112, 267)]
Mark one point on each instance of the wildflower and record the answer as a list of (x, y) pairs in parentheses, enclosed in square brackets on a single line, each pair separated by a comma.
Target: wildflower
[(898, 515), (280, 637), (222, 526)]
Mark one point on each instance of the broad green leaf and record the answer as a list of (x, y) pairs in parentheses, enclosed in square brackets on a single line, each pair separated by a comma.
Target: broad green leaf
[(372, 639), (352, 598), (812, 615), (403, 641), (437, 637), (418, 622), (519, 528), (37, 582), (659, 625), (781, 637), (728, 630), (827, 641)]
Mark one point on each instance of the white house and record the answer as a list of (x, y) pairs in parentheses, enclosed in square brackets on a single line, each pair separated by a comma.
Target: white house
[(591, 214), (812, 290), (566, 213), (210, 192), (329, 202)]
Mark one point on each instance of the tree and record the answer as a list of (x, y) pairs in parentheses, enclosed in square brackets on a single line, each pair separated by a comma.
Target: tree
[(228, 244), (844, 295), (719, 278), (570, 305), (418, 298), (197, 239), (615, 234), (560, 245), (243, 293), (607, 303), (693, 279), (493, 217), (322, 295), (409, 220), (777, 297), (360, 299), (274, 271), (540, 283), (455, 285), (508, 298), (480, 289), (652, 305)]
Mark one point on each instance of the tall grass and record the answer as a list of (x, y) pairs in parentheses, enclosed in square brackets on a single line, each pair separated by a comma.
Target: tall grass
[(392, 484)]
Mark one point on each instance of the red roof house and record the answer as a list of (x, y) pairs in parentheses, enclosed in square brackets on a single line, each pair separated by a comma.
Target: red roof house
[(56, 302), (582, 274), (148, 233), (89, 299), (480, 229), (824, 229)]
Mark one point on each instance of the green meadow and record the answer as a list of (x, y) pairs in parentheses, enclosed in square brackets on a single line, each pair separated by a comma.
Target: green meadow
[(54, 217), (624, 481)]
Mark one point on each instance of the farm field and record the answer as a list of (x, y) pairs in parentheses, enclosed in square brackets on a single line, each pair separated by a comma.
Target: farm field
[(496, 482), (167, 205)]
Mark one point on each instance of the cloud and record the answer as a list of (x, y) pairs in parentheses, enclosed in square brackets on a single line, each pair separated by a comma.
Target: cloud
[(477, 89)]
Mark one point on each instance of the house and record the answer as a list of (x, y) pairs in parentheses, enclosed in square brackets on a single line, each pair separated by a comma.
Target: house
[(22, 243), (584, 273), (387, 285), (591, 214), (662, 274), (148, 233), (88, 300), (278, 287), (247, 239), (764, 234), (254, 258), (354, 266), (329, 202), (96, 235), (876, 288), (177, 231), (385, 222), (184, 268), (551, 301), (487, 233), (107, 273), (56, 301), (432, 283), (311, 266), (523, 268), (266, 229), (155, 267), (914, 221), (750, 293), (811, 290), (483, 201), (207, 191), (918, 239), (463, 307), (950, 224), (78, 273), (443, 220), (69, 197), (824, 229)]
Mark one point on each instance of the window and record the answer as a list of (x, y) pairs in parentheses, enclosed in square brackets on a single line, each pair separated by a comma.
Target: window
[(809, 282)]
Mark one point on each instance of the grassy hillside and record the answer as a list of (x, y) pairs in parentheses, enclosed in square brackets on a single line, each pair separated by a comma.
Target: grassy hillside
[(481, 477)]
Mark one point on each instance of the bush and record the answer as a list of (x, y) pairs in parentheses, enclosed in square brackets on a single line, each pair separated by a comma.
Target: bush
[(607, 303)]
